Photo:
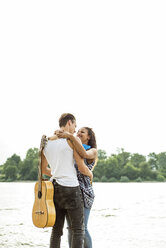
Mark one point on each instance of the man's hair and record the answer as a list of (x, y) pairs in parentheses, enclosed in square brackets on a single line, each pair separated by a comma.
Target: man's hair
[(65, 118)]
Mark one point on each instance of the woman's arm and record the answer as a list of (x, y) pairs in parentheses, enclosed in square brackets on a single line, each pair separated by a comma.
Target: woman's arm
[(45, 169), (82, 166), (90, 154)]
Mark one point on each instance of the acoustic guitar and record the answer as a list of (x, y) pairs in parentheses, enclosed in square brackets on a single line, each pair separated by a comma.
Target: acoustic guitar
[(43, 212)]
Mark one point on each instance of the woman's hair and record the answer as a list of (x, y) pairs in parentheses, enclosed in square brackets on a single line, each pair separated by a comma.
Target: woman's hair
[(92, 143), (92, 140)]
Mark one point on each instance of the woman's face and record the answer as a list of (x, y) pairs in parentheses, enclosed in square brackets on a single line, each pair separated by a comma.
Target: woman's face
[(83, 135)]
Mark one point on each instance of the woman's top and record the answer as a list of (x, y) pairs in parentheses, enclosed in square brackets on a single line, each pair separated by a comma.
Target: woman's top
[(59, 156), (85, 186)]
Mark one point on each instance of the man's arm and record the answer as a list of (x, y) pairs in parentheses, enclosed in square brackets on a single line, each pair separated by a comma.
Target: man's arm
[(82, 166), (45, 169)]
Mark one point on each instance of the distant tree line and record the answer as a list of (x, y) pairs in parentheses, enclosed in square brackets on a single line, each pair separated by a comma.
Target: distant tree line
[(120, 167), (125, 167), (16, 169)]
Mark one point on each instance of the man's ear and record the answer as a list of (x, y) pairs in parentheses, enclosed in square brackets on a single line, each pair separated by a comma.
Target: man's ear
[(69, 122)]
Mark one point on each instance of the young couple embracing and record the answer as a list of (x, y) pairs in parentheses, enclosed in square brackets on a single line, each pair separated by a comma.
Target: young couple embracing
[(71, 160)]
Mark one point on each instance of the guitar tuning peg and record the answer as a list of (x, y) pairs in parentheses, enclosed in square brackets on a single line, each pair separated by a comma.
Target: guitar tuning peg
[(43, 142)]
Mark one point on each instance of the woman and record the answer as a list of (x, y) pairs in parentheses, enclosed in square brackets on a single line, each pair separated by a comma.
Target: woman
[(87, 150)]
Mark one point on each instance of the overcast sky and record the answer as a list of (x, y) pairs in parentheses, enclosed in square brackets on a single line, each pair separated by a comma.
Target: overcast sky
[(103, 61)]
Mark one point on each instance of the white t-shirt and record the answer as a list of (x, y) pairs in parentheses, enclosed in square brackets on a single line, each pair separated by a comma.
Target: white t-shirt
[(59, 156)]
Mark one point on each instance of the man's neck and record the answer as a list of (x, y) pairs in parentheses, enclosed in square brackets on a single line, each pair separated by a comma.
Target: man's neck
[(65, 129)]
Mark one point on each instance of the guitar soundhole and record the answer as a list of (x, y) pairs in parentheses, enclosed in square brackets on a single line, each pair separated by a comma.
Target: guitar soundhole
[(39, 194)]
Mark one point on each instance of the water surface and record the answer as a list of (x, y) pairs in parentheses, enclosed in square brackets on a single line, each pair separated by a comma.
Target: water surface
[(124, 215)]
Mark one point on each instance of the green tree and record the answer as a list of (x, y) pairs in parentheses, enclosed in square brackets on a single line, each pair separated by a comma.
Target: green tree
[(103, 179), (152, 160), (124, 179), (161, 163), (32, 153), (101, 154), (160, 178), (137, 159), (98, 171), (2, 175), (112, 180), (14, 160), (11, 172), (145, 170), (25, 169), (130, 171), (11, 166), (139, 179), (122, 157), (29, 166), (111, 168)]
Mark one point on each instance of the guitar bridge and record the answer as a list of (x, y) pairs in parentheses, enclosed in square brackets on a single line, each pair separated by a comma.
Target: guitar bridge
[(39, 212)]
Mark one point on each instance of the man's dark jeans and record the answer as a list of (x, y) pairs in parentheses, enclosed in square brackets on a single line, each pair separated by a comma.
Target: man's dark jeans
[(68, 201)]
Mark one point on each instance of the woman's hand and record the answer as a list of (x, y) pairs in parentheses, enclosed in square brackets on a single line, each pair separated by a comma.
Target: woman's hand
[(62, 134)]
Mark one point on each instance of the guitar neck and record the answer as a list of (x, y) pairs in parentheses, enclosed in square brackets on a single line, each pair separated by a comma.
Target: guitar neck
[(40, 172), (42, 145)]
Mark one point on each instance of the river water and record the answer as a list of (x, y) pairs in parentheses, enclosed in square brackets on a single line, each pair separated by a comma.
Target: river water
[(124, 215)]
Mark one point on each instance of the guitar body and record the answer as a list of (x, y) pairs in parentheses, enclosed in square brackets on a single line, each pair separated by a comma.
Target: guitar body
[(43, 212)]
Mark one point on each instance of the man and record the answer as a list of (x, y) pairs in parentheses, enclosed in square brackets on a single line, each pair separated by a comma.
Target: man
[(58, 153)]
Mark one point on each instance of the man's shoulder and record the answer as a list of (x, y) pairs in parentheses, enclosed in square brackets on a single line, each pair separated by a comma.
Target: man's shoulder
[(70, 144)]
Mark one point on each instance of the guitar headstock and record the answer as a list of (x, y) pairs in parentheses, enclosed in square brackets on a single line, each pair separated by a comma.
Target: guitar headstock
[(43, 142)]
